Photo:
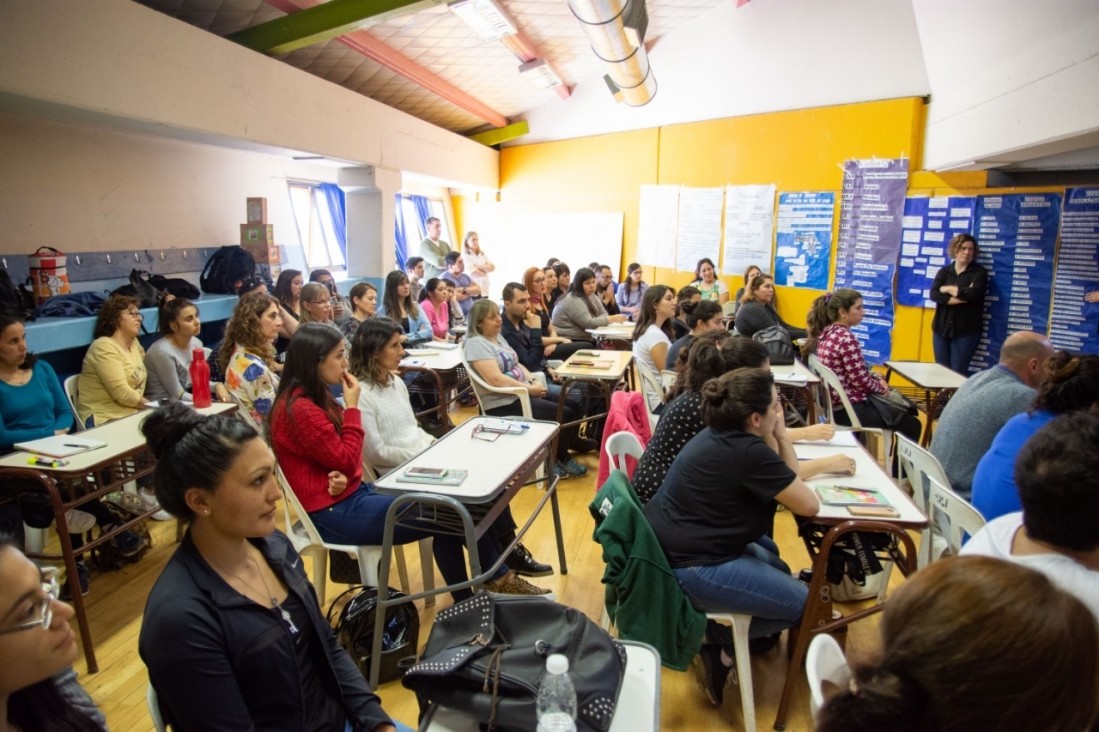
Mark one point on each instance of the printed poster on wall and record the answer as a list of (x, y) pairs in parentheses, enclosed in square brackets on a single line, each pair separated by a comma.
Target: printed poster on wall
[(657, 225), (1017, 235), (749, 227), (871, 212), (1074, 322), (803, 244), (927, 228), (699, 226)]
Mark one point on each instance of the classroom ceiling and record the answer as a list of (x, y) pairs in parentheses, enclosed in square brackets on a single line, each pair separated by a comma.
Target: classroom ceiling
[(425, 61)]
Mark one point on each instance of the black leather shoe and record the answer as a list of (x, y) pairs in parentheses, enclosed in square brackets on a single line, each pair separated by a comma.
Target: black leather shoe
[(522, 562)]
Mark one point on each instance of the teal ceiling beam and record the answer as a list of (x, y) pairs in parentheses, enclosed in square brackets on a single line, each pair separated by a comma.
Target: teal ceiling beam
[(322, 22)]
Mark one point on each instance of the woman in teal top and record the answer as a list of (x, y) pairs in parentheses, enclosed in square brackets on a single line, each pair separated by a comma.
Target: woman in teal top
[(32, 402)]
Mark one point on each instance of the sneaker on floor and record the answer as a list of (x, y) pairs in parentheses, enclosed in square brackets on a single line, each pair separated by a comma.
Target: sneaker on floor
[(128, 543), (710, 673), (79, 522), (83, 576), (513, 584), (573, 468), (584, 445), (521, 561), (559, 471)]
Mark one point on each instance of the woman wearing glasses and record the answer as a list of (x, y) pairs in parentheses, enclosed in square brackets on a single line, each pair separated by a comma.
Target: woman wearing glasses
[(112, 380), (38, 689)]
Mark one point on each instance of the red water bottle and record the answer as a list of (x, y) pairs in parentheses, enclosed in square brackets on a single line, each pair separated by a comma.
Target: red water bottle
[(200, 379)]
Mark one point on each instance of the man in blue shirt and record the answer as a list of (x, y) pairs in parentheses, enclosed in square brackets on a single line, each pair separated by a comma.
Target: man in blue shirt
[(465, 289)]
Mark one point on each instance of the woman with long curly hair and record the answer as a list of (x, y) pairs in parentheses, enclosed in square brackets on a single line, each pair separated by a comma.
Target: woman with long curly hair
[(247, 355)]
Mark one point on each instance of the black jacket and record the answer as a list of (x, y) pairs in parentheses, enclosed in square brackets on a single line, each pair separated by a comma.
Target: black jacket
[(527, 343), (752, 317), (964, 319), (219, 661)]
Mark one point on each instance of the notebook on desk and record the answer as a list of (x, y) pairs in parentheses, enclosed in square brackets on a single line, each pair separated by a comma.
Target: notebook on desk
[(60, 446), (433, 476)]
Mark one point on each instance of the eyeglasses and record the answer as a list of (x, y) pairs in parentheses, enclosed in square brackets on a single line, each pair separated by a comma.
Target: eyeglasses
[(43, 609), (480, 433)]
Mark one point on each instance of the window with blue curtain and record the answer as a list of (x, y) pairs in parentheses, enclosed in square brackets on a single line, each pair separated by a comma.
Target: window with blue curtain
[(408, 223), (320, 213)]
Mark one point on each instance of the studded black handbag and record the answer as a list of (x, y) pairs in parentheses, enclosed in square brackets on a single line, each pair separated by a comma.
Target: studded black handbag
[(486, 657)]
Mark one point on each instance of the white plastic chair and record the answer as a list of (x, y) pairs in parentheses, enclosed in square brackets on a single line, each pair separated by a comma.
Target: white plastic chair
[(963, 518), (832, 384), (740, 622), (307, 541), (824, 662), (154, 709), (621, 444), (72, 391), (651, 390), (919, 465), (667, 379)]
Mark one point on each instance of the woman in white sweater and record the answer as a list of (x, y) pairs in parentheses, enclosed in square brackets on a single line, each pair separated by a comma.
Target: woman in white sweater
[(392, 433)]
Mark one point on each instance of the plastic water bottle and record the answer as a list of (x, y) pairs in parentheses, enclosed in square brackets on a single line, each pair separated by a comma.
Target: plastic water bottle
[(556, 697), (200, 379)]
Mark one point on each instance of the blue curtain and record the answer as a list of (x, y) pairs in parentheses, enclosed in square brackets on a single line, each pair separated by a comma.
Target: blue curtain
[(334, 196), (423, 210)]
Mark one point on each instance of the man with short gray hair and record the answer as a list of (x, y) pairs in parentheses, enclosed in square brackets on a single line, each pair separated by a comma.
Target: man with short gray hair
[(984, 403)]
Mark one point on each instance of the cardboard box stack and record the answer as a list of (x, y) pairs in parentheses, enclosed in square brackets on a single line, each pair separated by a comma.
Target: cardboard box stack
[(258, 237)]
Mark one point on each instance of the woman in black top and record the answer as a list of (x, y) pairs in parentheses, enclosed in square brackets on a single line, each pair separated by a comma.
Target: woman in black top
[(713, 513), (232, 633), (757, 309), (959, 294)]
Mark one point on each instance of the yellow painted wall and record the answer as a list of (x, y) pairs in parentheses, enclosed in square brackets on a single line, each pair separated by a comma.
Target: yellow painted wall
[(800, 150)]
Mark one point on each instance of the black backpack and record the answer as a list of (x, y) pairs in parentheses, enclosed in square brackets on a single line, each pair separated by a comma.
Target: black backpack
[(15, 299), (778, 344), (355, 631), (175, 286), (226, 270)]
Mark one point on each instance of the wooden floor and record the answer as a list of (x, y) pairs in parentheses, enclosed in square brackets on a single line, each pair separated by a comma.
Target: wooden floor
[(117, 599)]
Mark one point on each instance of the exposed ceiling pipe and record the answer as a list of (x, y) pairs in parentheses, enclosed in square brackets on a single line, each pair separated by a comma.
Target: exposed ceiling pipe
[(616, 31)]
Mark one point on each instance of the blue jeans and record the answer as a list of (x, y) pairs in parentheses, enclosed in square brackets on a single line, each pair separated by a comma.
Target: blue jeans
[(955, 353), (360, 520), (757, 583)]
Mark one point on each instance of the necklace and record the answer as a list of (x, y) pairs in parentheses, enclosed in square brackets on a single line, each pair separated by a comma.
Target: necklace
[(275, 606)]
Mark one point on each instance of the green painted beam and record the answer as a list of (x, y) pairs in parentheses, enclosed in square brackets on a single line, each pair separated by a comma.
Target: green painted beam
[(322, 22), (502, 134)]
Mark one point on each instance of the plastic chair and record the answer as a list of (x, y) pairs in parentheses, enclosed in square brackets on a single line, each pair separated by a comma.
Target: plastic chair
[(824, 662), (963, 518), (667, 379), (72, 391), (919, 465), (651, 390), (832, 384), (307, 541), (740, 623), (154, 709), (621, 444)]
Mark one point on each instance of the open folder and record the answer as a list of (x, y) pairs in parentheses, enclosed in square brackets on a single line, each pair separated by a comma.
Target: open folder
[(60, 446)]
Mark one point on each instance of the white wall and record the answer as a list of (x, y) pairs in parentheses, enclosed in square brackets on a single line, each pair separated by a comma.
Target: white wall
[(82, 189), (767, 56), (122, 61), (1008, 76)]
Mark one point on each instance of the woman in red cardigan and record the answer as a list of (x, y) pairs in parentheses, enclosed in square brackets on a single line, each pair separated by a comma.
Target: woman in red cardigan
[(319, 446)]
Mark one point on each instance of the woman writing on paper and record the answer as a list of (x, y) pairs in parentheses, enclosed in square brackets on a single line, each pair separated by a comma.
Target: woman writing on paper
[(319, 446), (959, 294), (717, 504)]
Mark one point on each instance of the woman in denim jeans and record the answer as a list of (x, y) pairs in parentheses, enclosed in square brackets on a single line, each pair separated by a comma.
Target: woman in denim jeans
[(714, 513)]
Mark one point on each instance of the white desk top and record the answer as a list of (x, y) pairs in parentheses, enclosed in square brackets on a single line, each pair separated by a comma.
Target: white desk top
[(618, 362), (613, 330), (122, 436), (490, 464), (637, 710), (927, 375), (868, 474), (435, 359), (796, 374)]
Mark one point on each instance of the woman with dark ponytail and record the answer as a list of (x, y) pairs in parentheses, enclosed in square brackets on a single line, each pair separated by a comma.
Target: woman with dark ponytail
[(713, 513), (232, 634), (975, 643)]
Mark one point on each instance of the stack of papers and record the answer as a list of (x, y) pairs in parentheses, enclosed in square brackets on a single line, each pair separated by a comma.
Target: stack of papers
[(60, 446)]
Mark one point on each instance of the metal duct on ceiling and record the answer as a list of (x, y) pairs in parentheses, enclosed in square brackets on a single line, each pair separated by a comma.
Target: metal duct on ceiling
[(616, 31)]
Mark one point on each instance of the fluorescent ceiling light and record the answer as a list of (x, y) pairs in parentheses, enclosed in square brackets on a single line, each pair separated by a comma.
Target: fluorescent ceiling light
[(485, 17), (540, 73)]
